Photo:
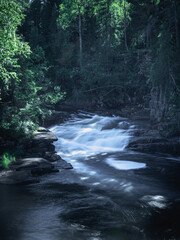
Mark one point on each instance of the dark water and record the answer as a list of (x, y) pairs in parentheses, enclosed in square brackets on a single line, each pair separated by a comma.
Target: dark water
[(111, 194)]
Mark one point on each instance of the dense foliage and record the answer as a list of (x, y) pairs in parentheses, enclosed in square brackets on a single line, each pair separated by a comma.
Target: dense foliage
[(102, 53), (25, 90)]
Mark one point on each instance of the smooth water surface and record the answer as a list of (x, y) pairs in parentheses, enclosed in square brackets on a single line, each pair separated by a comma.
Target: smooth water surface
[(110, 194)]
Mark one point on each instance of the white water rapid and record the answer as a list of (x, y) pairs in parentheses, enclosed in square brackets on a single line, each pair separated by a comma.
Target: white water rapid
[(85, 138)]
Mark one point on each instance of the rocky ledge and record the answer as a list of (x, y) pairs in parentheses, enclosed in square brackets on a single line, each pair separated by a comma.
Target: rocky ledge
[(39, 158), (150, 141)]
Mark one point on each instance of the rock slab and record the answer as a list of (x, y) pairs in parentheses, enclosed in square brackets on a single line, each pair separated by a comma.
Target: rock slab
[(40, 158)]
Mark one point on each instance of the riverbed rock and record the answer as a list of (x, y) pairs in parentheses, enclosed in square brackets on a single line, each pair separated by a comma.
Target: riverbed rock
[(152, 144), (39, 157), (26, 170), (16, 177), (44, 136), (124, 125), (62, 164), (33, 163), (54, 157), (49, 156)]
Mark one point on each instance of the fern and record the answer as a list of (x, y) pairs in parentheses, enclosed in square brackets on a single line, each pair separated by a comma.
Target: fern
[(6, 160)]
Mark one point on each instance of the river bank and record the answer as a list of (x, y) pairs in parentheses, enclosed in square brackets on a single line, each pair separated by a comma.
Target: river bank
[(38, 157)]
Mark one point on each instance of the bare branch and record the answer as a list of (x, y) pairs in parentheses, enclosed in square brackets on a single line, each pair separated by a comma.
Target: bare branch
[(111, 86), (174, 83)]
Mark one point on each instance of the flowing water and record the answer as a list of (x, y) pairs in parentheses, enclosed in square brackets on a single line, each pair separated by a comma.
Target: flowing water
[(110, 194)]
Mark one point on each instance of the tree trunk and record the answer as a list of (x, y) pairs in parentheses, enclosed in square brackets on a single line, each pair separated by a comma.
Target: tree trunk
[(125, 27), (176, 25), (80, 39), (108, 36)]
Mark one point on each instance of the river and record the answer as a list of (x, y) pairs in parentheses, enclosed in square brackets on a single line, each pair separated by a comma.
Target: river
[(111, 193)]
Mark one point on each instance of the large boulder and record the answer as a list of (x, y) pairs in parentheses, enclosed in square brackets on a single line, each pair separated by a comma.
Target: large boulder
[(39, 158), (44, 135), (62, 164), (40, 164), (151, 144)]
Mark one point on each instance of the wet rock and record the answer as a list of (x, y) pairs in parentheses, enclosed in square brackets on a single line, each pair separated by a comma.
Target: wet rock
[(37, 159), (54, 158), (16, 177), (151, 144), (26, 170), (47, 155), (111, 125), (34, 163), (41, 146), (62, 164), (164, 224), (41, 171), (124, 125), (138, 132), (45, 136)]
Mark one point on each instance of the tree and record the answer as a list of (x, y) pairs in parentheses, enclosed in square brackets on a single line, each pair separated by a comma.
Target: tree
[(165, 71), (12, 48), (69, 11), (25, 90)]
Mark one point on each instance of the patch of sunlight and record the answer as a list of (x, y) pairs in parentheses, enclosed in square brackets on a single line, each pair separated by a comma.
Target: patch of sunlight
[(124, 165), (103, 154), (109, 180), (92, 173), (67, 155), (96, 183), (84, 178), (90, 154), (95, 236), (158, 198), (93, 153), (85, 130), (156, 201), (157, 204), (73, 160), (60, 153), (112, 180), (78, 152), (128, 188), (78, 226)]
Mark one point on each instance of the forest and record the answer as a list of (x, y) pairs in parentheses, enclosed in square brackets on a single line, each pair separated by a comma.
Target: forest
[(89, 119), (101, 54)]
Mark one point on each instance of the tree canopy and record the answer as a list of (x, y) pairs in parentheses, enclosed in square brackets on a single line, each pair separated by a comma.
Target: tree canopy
[(103, 53)]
